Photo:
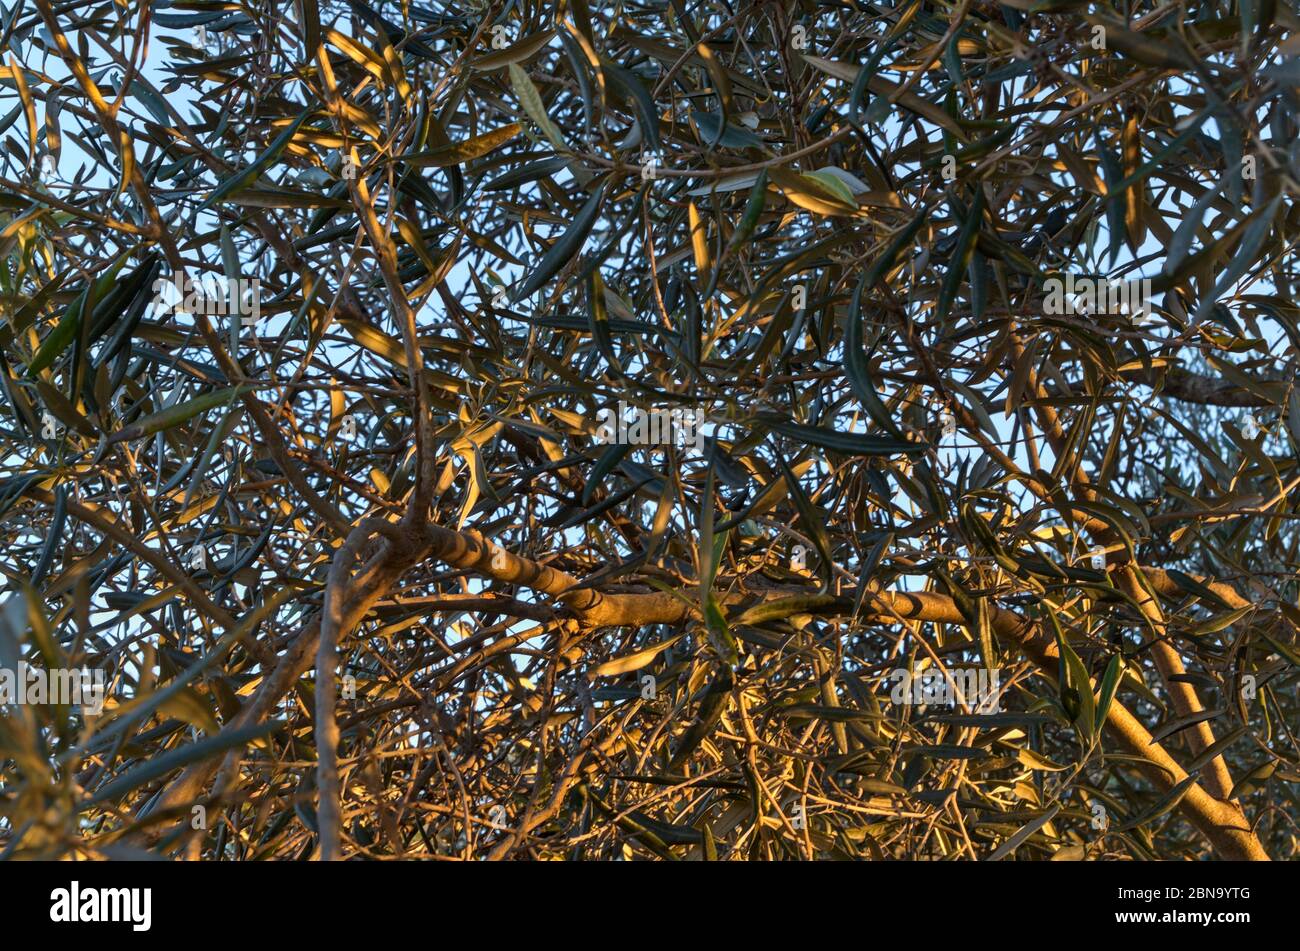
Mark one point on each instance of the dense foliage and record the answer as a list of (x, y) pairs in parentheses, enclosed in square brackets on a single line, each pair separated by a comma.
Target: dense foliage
[(367, 572)]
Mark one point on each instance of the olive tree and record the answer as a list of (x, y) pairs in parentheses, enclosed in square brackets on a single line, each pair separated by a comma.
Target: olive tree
[(650, 430)]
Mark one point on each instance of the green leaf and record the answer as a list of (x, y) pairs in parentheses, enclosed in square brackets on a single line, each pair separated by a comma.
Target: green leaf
[(1075, 684), (531, 100), (732, 137), (175, 415), (69, 326), (626, 85), (810, 519), (608, 461), (515, 53), (250, 174), (1013, 843), (28, 313), (961, 255), (310, 22), (465, 151), (162, 764), (852, 444), (566, 247), (1261, 222), (1165, 804), (859, 373), (1106, 693)]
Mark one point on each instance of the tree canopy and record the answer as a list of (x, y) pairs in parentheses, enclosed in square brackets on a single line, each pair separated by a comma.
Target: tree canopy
[(966, 529)]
